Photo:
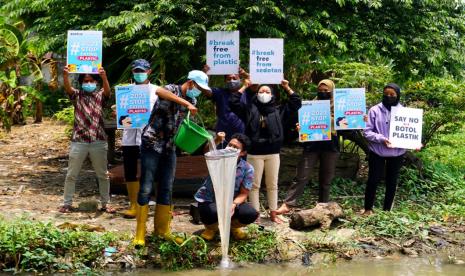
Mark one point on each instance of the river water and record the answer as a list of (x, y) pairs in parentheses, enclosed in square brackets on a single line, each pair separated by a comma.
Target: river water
[(424, 266)]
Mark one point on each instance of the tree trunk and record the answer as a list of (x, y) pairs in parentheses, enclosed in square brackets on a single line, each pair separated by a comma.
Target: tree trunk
[(38, 112)]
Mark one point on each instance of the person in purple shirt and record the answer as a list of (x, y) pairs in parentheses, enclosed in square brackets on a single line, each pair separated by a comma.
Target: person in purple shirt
[(383, 158)]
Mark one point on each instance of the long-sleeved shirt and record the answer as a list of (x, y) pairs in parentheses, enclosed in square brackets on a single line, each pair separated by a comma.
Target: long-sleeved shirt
[(377, 131)]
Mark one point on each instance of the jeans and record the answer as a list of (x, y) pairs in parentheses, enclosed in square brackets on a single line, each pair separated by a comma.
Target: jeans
[(161, 165), (378, 165), (244, 213), (78, 152)]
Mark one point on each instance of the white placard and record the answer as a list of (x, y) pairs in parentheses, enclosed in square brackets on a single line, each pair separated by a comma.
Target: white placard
[(266, 60), (223, 52), (406, 127)]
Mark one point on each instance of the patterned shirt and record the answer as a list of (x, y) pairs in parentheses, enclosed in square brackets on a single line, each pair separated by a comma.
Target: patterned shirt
[(164, 122), (244, 178), (88, 116)]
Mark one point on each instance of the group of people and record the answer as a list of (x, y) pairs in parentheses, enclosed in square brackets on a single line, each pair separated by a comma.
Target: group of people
[(251, 118)]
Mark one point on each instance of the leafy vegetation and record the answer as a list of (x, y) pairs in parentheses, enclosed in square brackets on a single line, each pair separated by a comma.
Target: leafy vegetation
[(31, 246)]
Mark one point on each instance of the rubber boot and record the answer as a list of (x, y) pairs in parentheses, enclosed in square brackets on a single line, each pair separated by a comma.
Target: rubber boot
[(133, 189), (142, 215), (210, 231), (162, 221), (236, 230)]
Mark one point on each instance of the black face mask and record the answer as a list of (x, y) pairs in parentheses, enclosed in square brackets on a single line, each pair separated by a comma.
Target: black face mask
[(324, 96), (389, 101)]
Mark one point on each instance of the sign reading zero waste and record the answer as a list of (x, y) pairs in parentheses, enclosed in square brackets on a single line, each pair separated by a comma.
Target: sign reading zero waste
[(406, 127), (223, 52), (266, 60)]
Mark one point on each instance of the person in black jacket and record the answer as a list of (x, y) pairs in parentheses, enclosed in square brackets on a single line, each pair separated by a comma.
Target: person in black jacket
[(264, 126)]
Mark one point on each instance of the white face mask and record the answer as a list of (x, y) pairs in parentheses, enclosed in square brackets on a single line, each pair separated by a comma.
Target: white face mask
[(264, 97), (231, 148)]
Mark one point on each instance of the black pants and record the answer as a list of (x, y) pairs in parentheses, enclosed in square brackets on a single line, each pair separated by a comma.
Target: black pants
[(130, 156), (378, 165), (245, 213), (327, 161)]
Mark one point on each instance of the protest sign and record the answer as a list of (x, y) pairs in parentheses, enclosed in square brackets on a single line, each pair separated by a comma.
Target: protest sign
[(133, 106), (223, 52), (315, 121), (266, 60), (406, 127), (349, 108), (84, 51)]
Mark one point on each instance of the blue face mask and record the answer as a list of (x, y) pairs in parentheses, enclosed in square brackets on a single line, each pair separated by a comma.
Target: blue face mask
[(140, 77), (193, 93), (89, 86)]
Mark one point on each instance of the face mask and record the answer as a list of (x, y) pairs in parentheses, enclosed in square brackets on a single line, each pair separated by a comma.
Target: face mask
[(140, 77), (264, 97), (89, 86), (389, 100), (231, 148), (233, 85), (193, 93), (323, 96)]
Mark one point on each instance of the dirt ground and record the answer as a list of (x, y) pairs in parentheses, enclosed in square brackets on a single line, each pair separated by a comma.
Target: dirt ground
[(33, 164)]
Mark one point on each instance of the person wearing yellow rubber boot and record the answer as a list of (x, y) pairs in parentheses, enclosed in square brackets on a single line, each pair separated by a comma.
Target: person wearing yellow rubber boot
[(132, 137), (242, 213), (158, 153)]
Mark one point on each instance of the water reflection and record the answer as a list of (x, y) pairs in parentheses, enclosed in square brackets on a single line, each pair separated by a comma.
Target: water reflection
[(369, 267)]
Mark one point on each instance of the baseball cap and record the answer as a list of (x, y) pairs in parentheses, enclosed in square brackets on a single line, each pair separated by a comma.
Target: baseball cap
[(200, 78), (140, 64)]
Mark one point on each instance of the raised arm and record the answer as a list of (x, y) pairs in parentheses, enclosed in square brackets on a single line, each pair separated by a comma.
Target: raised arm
[(167, 95), (66, 83), (294, 102), (105, 83)]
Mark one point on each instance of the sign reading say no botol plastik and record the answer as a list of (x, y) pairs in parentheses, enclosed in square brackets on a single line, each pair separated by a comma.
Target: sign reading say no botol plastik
[(223, 52), (406, 127), (266, 60)]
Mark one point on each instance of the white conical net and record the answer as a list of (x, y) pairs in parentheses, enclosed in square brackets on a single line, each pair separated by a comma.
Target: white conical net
[(222, 168)]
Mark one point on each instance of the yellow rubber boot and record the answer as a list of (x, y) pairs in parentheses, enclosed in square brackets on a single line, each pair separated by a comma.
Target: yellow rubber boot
[(162, 221), (133, 189), (210, 231), (142, 215), (236, 230)]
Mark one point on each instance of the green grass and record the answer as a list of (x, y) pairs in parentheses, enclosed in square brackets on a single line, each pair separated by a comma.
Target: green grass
[(31, 246)]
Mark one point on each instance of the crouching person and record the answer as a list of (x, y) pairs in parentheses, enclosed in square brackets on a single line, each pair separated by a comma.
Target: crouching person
[(242, 212)]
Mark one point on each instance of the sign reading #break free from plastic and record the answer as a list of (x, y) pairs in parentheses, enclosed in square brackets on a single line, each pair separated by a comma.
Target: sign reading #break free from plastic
[(84, 51), (223, 52)]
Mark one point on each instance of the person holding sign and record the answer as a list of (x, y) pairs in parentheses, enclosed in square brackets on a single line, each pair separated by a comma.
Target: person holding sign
[(326, 152), (264, 126), (242, 212), (89, 136), (158, 152), (227, 121), (132, 136), (383, 159)]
